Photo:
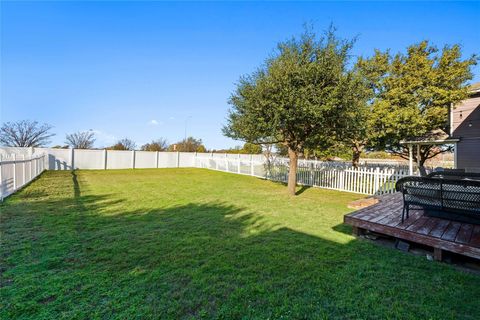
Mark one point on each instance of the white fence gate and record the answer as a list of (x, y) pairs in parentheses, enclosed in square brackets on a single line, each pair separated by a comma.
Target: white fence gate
[(26, 163)]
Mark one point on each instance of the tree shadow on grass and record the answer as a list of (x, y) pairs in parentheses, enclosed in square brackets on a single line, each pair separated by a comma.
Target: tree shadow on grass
[(300, 189), (343, 228), (210, 260)]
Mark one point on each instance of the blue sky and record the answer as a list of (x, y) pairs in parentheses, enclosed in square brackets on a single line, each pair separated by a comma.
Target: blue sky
[(140, 69)]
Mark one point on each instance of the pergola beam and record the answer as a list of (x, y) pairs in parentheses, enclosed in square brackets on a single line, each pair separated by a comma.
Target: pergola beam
[(410, 159)]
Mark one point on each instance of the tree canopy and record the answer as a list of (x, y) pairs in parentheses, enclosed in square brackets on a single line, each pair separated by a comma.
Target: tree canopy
[(124, 144), (413, 93), (189, 144), (298, 98), (156, 145), (25, 133), (80, 140)]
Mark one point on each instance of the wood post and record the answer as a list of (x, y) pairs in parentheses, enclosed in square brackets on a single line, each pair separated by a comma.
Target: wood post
[(437, 254), (356, 231), (410, 159)]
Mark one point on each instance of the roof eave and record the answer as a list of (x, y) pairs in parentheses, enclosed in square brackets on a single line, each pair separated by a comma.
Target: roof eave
[(430, 142)]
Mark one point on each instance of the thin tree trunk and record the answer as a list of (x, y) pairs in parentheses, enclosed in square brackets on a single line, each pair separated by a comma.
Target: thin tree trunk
[(357, 151), (356, 158), (292, 173)]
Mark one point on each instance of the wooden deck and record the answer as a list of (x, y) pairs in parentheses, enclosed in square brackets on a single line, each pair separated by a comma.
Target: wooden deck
[(443, 235)]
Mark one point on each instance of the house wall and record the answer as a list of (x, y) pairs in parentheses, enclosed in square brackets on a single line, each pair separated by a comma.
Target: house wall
[(466, 126)]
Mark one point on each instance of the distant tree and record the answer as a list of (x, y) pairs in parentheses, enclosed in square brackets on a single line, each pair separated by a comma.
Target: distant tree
[(250, 148), (156, 145), (413, 93), (298, 99), (188, 145), (338, 150), (60, 147), (201, 148), (123, 144), (80, 140), (25, 133)]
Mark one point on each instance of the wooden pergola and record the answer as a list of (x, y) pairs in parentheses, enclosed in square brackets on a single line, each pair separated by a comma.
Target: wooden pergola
[(434, 137)]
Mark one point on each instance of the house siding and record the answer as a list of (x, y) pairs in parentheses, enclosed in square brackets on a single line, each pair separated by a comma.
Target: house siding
[(466, 127)]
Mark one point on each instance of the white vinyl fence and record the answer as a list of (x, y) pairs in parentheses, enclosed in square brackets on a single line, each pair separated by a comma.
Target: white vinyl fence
[(331, 175), (18, 170), (25, 164)]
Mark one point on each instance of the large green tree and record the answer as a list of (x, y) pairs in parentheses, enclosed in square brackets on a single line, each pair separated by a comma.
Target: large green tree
[(358, 130), (298, 98), (413, 92)]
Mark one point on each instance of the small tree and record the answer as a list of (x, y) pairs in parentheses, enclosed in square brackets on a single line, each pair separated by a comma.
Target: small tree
[(156, 145), (413, 93), (188, 145), (80, 140), (25, 133), (123, 144), (297, 99)]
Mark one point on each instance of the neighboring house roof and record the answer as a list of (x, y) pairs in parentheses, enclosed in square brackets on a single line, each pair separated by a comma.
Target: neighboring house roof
[(437, 136), (474, 88)]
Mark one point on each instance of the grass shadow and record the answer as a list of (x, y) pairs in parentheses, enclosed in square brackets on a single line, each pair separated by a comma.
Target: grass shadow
[(65, 257)]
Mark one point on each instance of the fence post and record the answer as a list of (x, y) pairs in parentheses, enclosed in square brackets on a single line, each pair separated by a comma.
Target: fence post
[(178, 159), (133, 159), (72, 158), (104, 159), (342, 179), (238, 159), (377, 179), (311, 173), (226, 163), (14, 157), (23, 170), (156, 159), (252, 173)]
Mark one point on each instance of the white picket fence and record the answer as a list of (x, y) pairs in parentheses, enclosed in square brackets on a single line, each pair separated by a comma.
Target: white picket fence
[(18, 170), (26, 163), (330, 175)]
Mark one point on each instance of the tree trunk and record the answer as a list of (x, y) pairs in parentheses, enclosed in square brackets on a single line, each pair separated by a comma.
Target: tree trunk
[(292, 173), (356, 158), (357, 151)]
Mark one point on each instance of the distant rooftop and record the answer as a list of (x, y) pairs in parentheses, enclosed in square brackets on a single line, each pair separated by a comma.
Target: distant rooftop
[(474, 87)]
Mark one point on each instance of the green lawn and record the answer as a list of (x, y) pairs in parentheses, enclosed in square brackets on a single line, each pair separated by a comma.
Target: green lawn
[(192, 243)]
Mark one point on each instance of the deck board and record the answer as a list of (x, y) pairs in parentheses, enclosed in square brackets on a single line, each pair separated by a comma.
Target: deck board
[(475, 240), (465, 233), (439, 229), (451, 232), (385, 216)]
